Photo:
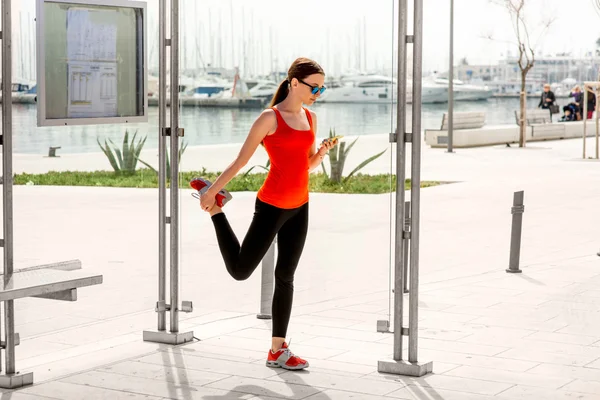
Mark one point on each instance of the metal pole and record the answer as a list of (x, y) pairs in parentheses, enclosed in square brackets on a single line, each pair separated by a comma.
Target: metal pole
[(400, 178), (584, 116), (596, 115), (398, 365), (515, 235), (415, 193), (174, 184), (266, 279), (451, 82), (162, 185), (406, 243), (7, 184)]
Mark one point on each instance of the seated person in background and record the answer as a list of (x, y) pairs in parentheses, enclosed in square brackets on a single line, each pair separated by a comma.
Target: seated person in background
[(569, 111), (577, 101)]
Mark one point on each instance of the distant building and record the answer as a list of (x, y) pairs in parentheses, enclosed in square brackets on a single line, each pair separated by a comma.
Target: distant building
[(505, 77)]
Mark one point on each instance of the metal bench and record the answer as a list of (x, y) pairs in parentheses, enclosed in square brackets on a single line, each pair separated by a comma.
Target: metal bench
[(58, 281)]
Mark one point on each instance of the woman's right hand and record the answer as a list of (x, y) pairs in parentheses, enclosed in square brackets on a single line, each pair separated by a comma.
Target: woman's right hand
[(207, 200)]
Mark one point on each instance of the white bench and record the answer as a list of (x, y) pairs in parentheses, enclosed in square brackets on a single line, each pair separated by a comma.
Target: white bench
[(464, 120), (58, 281), (461, 121), (540, 121), (534, 116)]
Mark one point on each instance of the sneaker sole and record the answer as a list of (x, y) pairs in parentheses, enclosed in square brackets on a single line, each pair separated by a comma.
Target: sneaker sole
[(275, 364)]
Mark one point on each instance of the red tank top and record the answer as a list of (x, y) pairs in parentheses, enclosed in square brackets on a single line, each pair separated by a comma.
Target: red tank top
[(286, 185)]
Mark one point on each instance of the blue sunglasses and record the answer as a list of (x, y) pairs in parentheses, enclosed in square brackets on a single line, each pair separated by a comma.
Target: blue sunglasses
[(315, 89)]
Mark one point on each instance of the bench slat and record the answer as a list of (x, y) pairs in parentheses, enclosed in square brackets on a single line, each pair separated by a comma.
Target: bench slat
[(534, 116), (42, 282)]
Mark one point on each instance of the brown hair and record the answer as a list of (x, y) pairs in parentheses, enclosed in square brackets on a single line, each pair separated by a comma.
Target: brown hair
[(300, 69)]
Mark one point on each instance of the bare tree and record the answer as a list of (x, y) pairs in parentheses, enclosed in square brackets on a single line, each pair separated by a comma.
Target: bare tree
[(526, 60)]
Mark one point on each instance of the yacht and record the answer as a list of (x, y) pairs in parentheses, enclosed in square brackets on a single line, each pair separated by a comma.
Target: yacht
[(377, 89), (463, 91), (23, 91), (262, 88), (251, 88)]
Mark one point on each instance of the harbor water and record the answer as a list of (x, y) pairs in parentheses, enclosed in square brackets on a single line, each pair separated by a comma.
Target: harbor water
[(205, 126)]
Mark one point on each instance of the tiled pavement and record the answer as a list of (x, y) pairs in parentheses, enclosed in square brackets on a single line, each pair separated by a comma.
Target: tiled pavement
[(490, 335)]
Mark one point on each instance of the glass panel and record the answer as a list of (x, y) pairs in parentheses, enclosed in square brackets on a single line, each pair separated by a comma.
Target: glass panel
[(233, 57), (74, 202)]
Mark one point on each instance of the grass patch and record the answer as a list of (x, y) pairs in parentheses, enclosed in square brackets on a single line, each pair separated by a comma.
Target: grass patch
[(146, 178)]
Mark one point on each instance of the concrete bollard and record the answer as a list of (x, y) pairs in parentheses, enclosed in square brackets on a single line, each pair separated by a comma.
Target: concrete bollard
[(517, 211)]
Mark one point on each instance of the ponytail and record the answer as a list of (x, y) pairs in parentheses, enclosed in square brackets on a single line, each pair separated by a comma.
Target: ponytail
[(281, 94)]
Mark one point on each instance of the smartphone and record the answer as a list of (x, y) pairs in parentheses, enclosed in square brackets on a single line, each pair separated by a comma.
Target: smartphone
[(333, 139)]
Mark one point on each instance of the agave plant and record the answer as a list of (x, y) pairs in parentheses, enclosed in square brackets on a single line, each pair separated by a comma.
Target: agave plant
[(265, 167), (337, 160), (182, 148), (124, 160)]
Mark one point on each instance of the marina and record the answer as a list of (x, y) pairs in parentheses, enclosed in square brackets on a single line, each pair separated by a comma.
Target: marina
[(221, 125)]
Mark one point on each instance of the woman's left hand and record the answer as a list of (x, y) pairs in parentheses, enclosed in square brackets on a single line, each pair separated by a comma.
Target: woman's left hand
[(327, 145)]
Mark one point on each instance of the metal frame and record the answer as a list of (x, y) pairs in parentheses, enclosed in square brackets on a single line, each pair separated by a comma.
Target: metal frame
[(161, 335), (399, 365), (43, 281), (451, 82), (41, 67), (7, 196), (596, 86)]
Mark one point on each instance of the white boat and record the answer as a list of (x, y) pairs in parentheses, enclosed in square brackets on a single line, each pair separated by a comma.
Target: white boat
[(251, 88), (377, 89), (23, 91), (208, 85), (463, 91), (262, 88)]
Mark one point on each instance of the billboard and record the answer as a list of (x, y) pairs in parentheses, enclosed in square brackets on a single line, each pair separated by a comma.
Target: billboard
[(91, 62)]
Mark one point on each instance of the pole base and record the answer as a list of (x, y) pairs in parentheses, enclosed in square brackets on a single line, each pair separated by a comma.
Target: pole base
[(263, 316), (404, 368), (383, 326), (513, 271), (14, 381), (168, 337)]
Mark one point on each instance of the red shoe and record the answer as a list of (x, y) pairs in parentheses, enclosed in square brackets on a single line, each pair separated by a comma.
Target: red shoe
[(285, 359), (202, 185)]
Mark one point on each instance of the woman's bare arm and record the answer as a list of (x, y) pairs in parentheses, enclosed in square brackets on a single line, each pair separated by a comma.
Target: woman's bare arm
[(264, 125)]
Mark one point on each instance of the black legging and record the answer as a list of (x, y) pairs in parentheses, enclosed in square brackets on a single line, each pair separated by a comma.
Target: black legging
[(290, 226)]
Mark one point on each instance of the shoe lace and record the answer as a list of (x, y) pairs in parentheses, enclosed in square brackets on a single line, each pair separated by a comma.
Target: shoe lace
[(288, 351)]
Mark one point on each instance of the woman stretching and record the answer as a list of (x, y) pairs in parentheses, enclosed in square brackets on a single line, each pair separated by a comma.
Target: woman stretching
[(287, 130)]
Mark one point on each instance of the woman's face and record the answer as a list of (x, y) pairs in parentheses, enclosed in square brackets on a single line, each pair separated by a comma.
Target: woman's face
[(304, 88)]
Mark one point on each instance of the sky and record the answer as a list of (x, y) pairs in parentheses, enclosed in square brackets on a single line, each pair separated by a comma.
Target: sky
[(274, 32)]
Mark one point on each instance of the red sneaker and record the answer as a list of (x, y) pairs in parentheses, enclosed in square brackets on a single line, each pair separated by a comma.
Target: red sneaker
[(202, 185), (285, 359)]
